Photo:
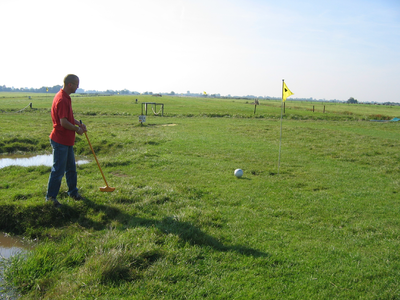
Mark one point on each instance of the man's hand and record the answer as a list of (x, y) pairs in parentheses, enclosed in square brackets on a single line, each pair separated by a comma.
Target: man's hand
[(83, 126), (80, 131)]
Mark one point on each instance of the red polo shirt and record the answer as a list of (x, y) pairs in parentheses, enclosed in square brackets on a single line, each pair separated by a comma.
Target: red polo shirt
[(60, 109)]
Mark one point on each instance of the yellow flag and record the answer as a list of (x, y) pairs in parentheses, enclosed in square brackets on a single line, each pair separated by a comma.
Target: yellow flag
[(285, 92)]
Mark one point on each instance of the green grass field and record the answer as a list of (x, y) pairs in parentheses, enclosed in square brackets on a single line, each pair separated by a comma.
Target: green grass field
[(179, 225)]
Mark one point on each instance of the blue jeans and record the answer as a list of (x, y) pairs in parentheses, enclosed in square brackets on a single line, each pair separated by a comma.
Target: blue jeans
[(63, 162)]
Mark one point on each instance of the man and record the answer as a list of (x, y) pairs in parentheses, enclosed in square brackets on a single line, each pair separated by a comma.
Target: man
[(62, 140)]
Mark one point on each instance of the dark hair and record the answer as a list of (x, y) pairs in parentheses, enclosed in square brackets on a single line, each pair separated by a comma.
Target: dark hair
[(70, 78)]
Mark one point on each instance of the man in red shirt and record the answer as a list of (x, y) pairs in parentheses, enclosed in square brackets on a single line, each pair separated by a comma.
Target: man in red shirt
[(62, 139)]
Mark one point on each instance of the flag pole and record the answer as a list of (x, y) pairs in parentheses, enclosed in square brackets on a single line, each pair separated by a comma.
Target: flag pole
[(280, 138)]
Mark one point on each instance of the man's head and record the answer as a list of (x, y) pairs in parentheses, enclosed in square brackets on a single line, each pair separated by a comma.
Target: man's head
[(71, 83)]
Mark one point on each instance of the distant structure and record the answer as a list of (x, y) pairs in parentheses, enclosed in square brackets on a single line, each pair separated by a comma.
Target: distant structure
[(153, 107)]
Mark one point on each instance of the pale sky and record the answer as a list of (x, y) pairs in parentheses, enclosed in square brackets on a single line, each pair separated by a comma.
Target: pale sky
[(324, 49)]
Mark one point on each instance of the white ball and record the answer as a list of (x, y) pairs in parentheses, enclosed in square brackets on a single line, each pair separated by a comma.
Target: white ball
[(238, 173)]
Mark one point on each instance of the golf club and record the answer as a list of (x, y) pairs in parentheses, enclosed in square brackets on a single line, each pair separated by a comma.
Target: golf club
[(106, 188)]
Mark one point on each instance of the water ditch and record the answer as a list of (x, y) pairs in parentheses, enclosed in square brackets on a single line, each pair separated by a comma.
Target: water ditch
[(31, 161), (10, 246)]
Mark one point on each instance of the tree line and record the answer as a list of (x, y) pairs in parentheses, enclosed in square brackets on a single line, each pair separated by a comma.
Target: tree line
[(43, 89), (56, 89)]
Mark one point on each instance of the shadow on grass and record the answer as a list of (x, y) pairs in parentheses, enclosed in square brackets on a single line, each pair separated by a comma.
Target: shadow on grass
[(29, 220), (186, 231), (189, 233)]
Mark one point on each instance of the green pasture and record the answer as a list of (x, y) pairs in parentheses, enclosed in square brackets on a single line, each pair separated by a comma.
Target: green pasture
[(179, 225), (211, 107)]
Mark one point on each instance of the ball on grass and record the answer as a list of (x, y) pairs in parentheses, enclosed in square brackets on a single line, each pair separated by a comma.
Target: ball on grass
[(238, 173)]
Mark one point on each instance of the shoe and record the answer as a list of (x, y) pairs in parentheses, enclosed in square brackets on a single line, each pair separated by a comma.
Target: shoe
[(55, 202), (77, 197)]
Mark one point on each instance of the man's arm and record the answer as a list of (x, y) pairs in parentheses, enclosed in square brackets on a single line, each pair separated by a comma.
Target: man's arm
[(68, 125)]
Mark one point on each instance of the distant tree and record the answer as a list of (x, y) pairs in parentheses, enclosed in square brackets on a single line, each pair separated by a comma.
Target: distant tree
[(4, 88), (172, 93), (124, 92), (55, 89), (352, 100)]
